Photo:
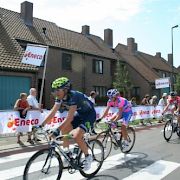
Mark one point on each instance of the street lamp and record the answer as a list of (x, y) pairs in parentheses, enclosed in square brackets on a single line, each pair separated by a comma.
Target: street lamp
[(172, 70)]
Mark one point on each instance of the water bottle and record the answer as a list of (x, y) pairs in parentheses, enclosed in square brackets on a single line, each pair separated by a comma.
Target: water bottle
[(117, 135), (75, 151)]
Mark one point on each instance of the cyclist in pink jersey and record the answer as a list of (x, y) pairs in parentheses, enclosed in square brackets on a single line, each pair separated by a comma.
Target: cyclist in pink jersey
[(124, 111)]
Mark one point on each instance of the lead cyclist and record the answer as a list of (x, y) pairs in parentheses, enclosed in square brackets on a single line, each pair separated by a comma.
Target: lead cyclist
[(80, 112)]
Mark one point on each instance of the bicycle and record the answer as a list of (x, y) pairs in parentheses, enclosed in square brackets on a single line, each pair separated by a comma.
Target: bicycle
[(108, 137), (171, 126), (48, 162)]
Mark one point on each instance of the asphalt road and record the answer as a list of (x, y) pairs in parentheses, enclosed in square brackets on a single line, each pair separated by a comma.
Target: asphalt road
[(151, 158)]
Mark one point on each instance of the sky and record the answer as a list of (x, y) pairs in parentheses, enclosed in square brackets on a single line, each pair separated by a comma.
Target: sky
[(148, 21)]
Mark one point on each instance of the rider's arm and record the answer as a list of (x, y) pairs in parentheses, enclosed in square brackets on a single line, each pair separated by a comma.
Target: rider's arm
[(51, 114), (165, 109), (105, 112), (118, 115), (70, 116)]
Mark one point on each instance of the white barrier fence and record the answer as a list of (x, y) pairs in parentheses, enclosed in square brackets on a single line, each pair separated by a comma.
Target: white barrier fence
[(10, 122)]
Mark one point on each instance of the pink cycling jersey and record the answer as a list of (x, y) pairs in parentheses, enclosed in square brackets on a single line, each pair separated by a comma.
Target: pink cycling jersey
[(120, 102)]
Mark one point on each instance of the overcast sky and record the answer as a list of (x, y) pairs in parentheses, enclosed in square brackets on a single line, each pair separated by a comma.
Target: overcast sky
[(148, 21)]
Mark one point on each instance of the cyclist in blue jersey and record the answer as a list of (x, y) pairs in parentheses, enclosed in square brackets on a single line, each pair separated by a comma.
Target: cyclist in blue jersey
[(80, 112)]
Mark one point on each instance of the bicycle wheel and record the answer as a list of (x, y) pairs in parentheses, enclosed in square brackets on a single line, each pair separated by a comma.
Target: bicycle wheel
[(106, 140), (45, 163), (97, 151), (131, 140), (168, 130)]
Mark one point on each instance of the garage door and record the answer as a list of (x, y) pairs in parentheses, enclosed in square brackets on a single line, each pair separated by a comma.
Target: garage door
[(10, 88)]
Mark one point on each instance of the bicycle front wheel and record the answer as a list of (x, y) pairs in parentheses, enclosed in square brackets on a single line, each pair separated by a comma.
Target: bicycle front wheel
[(131, 140), (106, 140), (45, 163), (96, 150), (168, 130)]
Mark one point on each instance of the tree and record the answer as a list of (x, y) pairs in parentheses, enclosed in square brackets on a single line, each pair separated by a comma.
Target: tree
[(177, 84), (122, 80)]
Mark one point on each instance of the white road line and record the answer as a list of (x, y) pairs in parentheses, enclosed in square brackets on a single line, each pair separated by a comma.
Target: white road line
[(16, 157), (156, 171), (110, 162)]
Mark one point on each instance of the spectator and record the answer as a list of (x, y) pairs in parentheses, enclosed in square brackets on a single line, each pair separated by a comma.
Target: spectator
[(153, 101), (22, 106), (145, 102), (34, 106), (92, 97), (133, 101), (163, 100)]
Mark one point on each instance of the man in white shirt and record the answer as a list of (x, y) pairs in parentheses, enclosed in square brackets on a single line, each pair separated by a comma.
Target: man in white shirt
[(92, 97), (33, 103)]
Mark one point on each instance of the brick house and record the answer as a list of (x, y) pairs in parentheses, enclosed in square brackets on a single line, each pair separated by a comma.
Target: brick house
[(88, 60)]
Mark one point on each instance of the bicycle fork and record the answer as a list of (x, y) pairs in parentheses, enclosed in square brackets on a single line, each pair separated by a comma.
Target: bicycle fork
[(47, 162)]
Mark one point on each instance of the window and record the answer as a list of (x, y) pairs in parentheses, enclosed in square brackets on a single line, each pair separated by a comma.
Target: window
[(136, 91), (163, 74), (66, 61), (101, 90), (97, 66)]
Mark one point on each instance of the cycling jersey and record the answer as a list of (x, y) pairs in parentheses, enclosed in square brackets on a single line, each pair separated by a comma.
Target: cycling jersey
[(120, 102), (174, 101), (123, 103), (84, 105), (85, 109)]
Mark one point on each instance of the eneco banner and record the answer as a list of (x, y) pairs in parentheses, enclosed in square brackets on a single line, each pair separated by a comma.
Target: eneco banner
[(10, 122), (34, 54)]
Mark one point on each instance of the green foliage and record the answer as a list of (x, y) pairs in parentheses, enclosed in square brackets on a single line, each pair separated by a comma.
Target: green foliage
[(177, 84), (122, 80)]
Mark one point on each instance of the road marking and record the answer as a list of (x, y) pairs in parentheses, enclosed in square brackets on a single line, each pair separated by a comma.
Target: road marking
[(155, 171), (110, 162), (16, 157)]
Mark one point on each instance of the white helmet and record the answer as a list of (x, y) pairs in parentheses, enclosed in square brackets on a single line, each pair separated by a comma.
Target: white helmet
[(112, 93)]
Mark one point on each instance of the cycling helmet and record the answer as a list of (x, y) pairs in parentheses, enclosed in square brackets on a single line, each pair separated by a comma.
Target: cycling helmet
[(61, 83), (112, 93), (173, 93)]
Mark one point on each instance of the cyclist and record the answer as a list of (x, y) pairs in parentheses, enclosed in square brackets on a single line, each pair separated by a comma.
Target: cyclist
[(124, 111), (80, 112), (173, 102)]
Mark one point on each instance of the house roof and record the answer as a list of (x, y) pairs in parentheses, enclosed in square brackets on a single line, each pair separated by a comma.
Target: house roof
[(155, 62), (12, 28)]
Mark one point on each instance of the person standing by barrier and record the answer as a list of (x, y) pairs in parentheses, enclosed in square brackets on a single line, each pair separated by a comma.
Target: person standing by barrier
[(92, 97), (34, 106), (22, 106), (145, 102), (163, 102)]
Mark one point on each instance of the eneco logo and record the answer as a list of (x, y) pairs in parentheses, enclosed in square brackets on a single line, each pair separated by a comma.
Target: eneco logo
[(29, 54), (11, 122)]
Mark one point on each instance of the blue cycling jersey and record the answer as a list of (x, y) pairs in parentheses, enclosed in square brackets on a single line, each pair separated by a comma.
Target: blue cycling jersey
[(84, 105)]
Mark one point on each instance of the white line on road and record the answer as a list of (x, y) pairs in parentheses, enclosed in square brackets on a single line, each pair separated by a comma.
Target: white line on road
[(156, 171)]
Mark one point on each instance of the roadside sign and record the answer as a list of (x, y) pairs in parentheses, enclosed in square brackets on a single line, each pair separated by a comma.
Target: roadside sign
[(162, 83)]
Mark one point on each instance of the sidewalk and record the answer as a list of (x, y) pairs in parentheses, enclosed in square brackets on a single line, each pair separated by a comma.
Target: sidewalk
[(8, 142)]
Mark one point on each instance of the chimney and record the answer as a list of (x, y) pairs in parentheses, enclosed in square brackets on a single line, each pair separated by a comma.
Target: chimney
[(27, 13), (108, 37), (132, 46), (85, 30), (158, 54), (170, 59)]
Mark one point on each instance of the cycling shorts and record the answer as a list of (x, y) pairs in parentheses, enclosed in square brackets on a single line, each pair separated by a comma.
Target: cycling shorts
[(84, 121), (126, 117)]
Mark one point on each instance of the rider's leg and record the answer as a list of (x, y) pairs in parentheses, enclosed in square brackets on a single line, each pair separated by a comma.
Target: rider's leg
[(78, 134), (126, 118), (66, 131)]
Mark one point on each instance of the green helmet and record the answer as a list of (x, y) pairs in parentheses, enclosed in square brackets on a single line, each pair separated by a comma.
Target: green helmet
[(62, 82)]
